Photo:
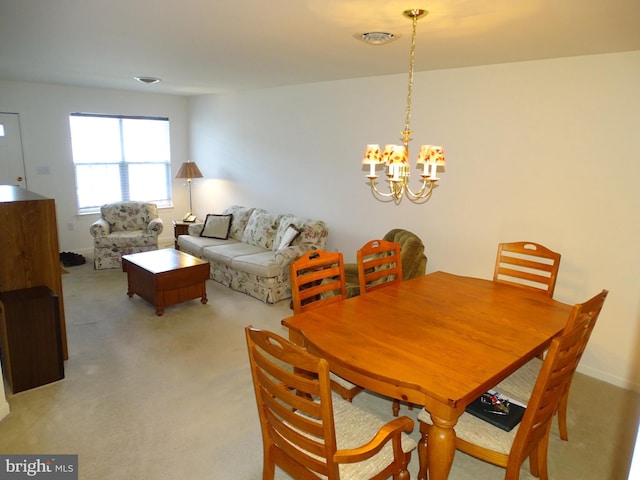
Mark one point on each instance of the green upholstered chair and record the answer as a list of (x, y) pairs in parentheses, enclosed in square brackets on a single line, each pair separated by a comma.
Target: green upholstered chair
[(414, 260)]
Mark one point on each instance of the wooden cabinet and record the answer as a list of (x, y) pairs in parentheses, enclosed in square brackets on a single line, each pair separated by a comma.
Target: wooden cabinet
[(30, 256), (30, 337)]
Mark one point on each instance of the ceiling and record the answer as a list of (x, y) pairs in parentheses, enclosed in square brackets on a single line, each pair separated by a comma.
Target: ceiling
[(210, 46)]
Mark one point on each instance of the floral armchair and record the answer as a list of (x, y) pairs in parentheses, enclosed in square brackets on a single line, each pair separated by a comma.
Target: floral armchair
[(124, 228)]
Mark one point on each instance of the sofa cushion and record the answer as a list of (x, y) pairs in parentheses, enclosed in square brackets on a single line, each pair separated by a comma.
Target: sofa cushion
[(261, 228), (194, 245), (217, 226), (224, 254), (290, 234), (239, 222), (263, 264), (313, 233)]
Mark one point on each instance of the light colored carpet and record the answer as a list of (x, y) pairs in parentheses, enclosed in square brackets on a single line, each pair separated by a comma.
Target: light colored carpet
[(159, 398)]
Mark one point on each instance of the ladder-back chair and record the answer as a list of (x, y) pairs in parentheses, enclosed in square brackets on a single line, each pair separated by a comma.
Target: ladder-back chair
[(311, 433), (529, 439), (317, 279), (527, 265)]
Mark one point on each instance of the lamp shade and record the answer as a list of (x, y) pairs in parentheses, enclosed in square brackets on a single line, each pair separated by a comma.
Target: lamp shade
[(371, 155), (387, 153), (431, 155), (399, 155), (189, 170)]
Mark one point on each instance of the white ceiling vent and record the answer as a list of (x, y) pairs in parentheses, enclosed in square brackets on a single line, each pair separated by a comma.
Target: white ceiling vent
[(377, 38)]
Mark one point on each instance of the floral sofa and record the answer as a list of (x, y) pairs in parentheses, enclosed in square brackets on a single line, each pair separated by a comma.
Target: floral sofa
[(253, 252), (124, 228)]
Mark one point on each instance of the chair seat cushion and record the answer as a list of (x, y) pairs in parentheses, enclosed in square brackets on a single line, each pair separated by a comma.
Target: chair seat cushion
[(519, 385), (474, 430), (130, 238), (341, 381), (354, 428)]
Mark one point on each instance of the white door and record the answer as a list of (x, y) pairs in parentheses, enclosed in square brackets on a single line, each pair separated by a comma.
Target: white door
[(11, 159)]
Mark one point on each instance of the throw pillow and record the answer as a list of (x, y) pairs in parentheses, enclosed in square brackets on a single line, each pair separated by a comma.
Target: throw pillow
[(217, 226), (290, 234)]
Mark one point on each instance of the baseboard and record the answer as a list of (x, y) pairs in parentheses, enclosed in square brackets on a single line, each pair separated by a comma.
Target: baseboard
[(4, 410), (607, 377)]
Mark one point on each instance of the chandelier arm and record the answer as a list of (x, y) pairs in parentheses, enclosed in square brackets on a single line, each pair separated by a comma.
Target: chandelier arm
[(393, 194), (424, 192), (420, 200)]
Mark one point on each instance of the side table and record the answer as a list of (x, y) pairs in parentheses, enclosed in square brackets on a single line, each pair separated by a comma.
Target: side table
[(179, 228)]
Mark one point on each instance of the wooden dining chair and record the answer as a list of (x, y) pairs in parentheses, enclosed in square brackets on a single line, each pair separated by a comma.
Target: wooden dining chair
[(379, 265), (529, 439), (317, 279), (519, 385), (527, 265), (310, 432)]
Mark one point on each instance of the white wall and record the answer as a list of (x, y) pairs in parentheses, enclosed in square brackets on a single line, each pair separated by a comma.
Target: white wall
[(44, 123), (543, 151)]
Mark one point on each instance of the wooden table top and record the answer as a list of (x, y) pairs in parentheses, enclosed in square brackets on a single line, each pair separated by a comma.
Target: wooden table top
[(437, 338), (163, 260)]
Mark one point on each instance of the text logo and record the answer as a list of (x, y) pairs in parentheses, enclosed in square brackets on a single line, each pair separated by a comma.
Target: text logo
[(49, 467)]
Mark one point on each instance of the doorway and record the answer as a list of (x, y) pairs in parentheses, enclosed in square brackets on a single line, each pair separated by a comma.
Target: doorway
[(11, 158)]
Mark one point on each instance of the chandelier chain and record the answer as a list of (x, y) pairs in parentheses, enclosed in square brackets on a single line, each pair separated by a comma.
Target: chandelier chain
[(406, 134)]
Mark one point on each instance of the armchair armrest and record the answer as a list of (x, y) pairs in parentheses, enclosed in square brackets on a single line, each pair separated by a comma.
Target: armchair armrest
[(100, 228), (156, 226), (351, 273), (390, 432)]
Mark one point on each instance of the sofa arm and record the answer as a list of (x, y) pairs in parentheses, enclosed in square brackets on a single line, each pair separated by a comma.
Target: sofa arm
[(100, 228), (195, 229), (286, 256), (156, 226)]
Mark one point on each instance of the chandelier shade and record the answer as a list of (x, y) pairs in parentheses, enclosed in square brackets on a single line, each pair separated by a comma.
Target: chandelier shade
[(396, 157)]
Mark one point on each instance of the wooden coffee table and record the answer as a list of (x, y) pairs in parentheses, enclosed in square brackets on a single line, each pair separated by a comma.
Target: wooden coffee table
[(166, 277)]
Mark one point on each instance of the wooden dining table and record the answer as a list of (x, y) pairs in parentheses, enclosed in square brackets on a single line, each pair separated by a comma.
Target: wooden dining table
[(438, 341)]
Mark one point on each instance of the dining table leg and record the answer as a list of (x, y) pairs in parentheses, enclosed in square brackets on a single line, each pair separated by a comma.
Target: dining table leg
[(436, 452)]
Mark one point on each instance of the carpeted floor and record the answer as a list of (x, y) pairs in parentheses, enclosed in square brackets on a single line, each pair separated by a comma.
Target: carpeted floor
[(170, 397)]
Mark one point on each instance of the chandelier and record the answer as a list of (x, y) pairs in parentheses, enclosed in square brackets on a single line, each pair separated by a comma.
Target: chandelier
[(395, 158)]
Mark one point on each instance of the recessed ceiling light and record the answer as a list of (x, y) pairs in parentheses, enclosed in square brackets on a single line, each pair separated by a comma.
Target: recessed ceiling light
[(147, 80), (377, 38)]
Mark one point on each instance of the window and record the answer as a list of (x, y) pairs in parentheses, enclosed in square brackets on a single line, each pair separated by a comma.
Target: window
[(119, 158)]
